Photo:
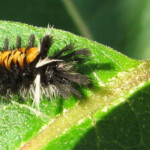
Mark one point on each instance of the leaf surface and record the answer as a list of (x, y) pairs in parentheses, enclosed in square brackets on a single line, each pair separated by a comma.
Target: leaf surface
[(114, 113)]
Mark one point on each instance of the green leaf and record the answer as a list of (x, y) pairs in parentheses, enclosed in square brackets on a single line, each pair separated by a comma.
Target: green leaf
[(113, 115), (123, 25)]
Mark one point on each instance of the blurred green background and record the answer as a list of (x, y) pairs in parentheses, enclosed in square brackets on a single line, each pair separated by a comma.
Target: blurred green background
[(121, 24)]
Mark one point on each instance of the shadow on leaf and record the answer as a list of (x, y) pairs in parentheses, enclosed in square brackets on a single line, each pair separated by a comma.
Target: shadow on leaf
[(125, 127)]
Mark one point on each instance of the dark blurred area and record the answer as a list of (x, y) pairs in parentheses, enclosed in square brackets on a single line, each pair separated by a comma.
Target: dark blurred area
[(37, 13), (122, 25)]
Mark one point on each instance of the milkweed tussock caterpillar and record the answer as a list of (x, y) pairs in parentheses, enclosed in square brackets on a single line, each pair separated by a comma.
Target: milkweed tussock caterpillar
[(30, 71)]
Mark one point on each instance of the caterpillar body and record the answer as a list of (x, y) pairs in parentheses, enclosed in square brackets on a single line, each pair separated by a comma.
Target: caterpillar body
[(31, 71)]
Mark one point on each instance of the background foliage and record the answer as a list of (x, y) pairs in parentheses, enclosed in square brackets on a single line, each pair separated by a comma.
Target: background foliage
[(121, 24)]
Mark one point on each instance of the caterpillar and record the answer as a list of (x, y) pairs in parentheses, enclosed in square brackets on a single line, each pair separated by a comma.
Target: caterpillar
[(31, 71)]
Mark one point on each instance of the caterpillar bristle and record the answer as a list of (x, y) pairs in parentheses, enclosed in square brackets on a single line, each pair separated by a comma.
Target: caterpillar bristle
[(18, 43), (6, 44), (31, 71)]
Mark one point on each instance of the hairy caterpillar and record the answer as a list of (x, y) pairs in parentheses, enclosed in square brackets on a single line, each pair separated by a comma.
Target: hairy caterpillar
[(29, 70)]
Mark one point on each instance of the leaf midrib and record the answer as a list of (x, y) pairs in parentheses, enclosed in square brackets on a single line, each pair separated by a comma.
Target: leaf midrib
[(113, 93)]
